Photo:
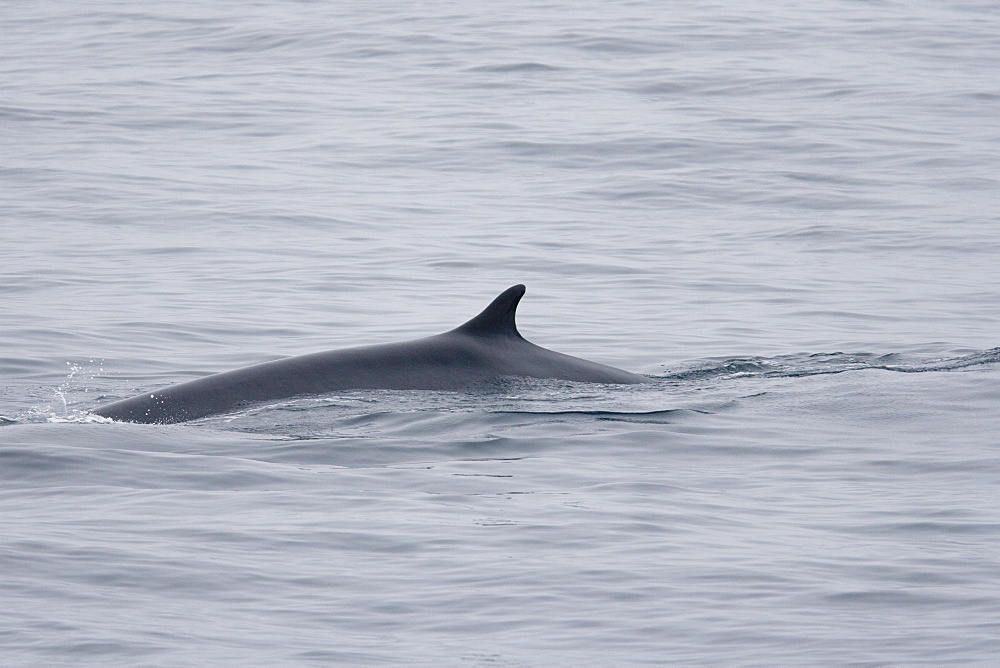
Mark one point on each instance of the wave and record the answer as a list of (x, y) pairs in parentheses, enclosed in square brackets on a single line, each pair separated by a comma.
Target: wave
[(813, 364)]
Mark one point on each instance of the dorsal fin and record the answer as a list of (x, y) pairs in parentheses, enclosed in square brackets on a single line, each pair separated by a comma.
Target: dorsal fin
[(497, 319)]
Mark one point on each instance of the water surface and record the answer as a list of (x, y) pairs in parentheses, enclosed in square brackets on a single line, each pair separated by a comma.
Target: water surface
[(786, 215)]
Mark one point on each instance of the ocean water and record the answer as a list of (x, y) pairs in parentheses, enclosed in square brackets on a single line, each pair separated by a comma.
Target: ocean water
[(786, 214)]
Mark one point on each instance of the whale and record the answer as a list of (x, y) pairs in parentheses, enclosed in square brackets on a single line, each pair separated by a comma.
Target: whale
[(485, 349)]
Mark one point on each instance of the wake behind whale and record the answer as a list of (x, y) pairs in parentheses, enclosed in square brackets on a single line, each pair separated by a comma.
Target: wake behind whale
[(485, 348)]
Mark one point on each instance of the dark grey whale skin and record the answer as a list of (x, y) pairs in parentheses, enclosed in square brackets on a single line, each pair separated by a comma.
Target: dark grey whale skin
[(483, 349)]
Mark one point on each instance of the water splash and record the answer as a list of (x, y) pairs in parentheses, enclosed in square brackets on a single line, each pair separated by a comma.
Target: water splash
[(61, 411)]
